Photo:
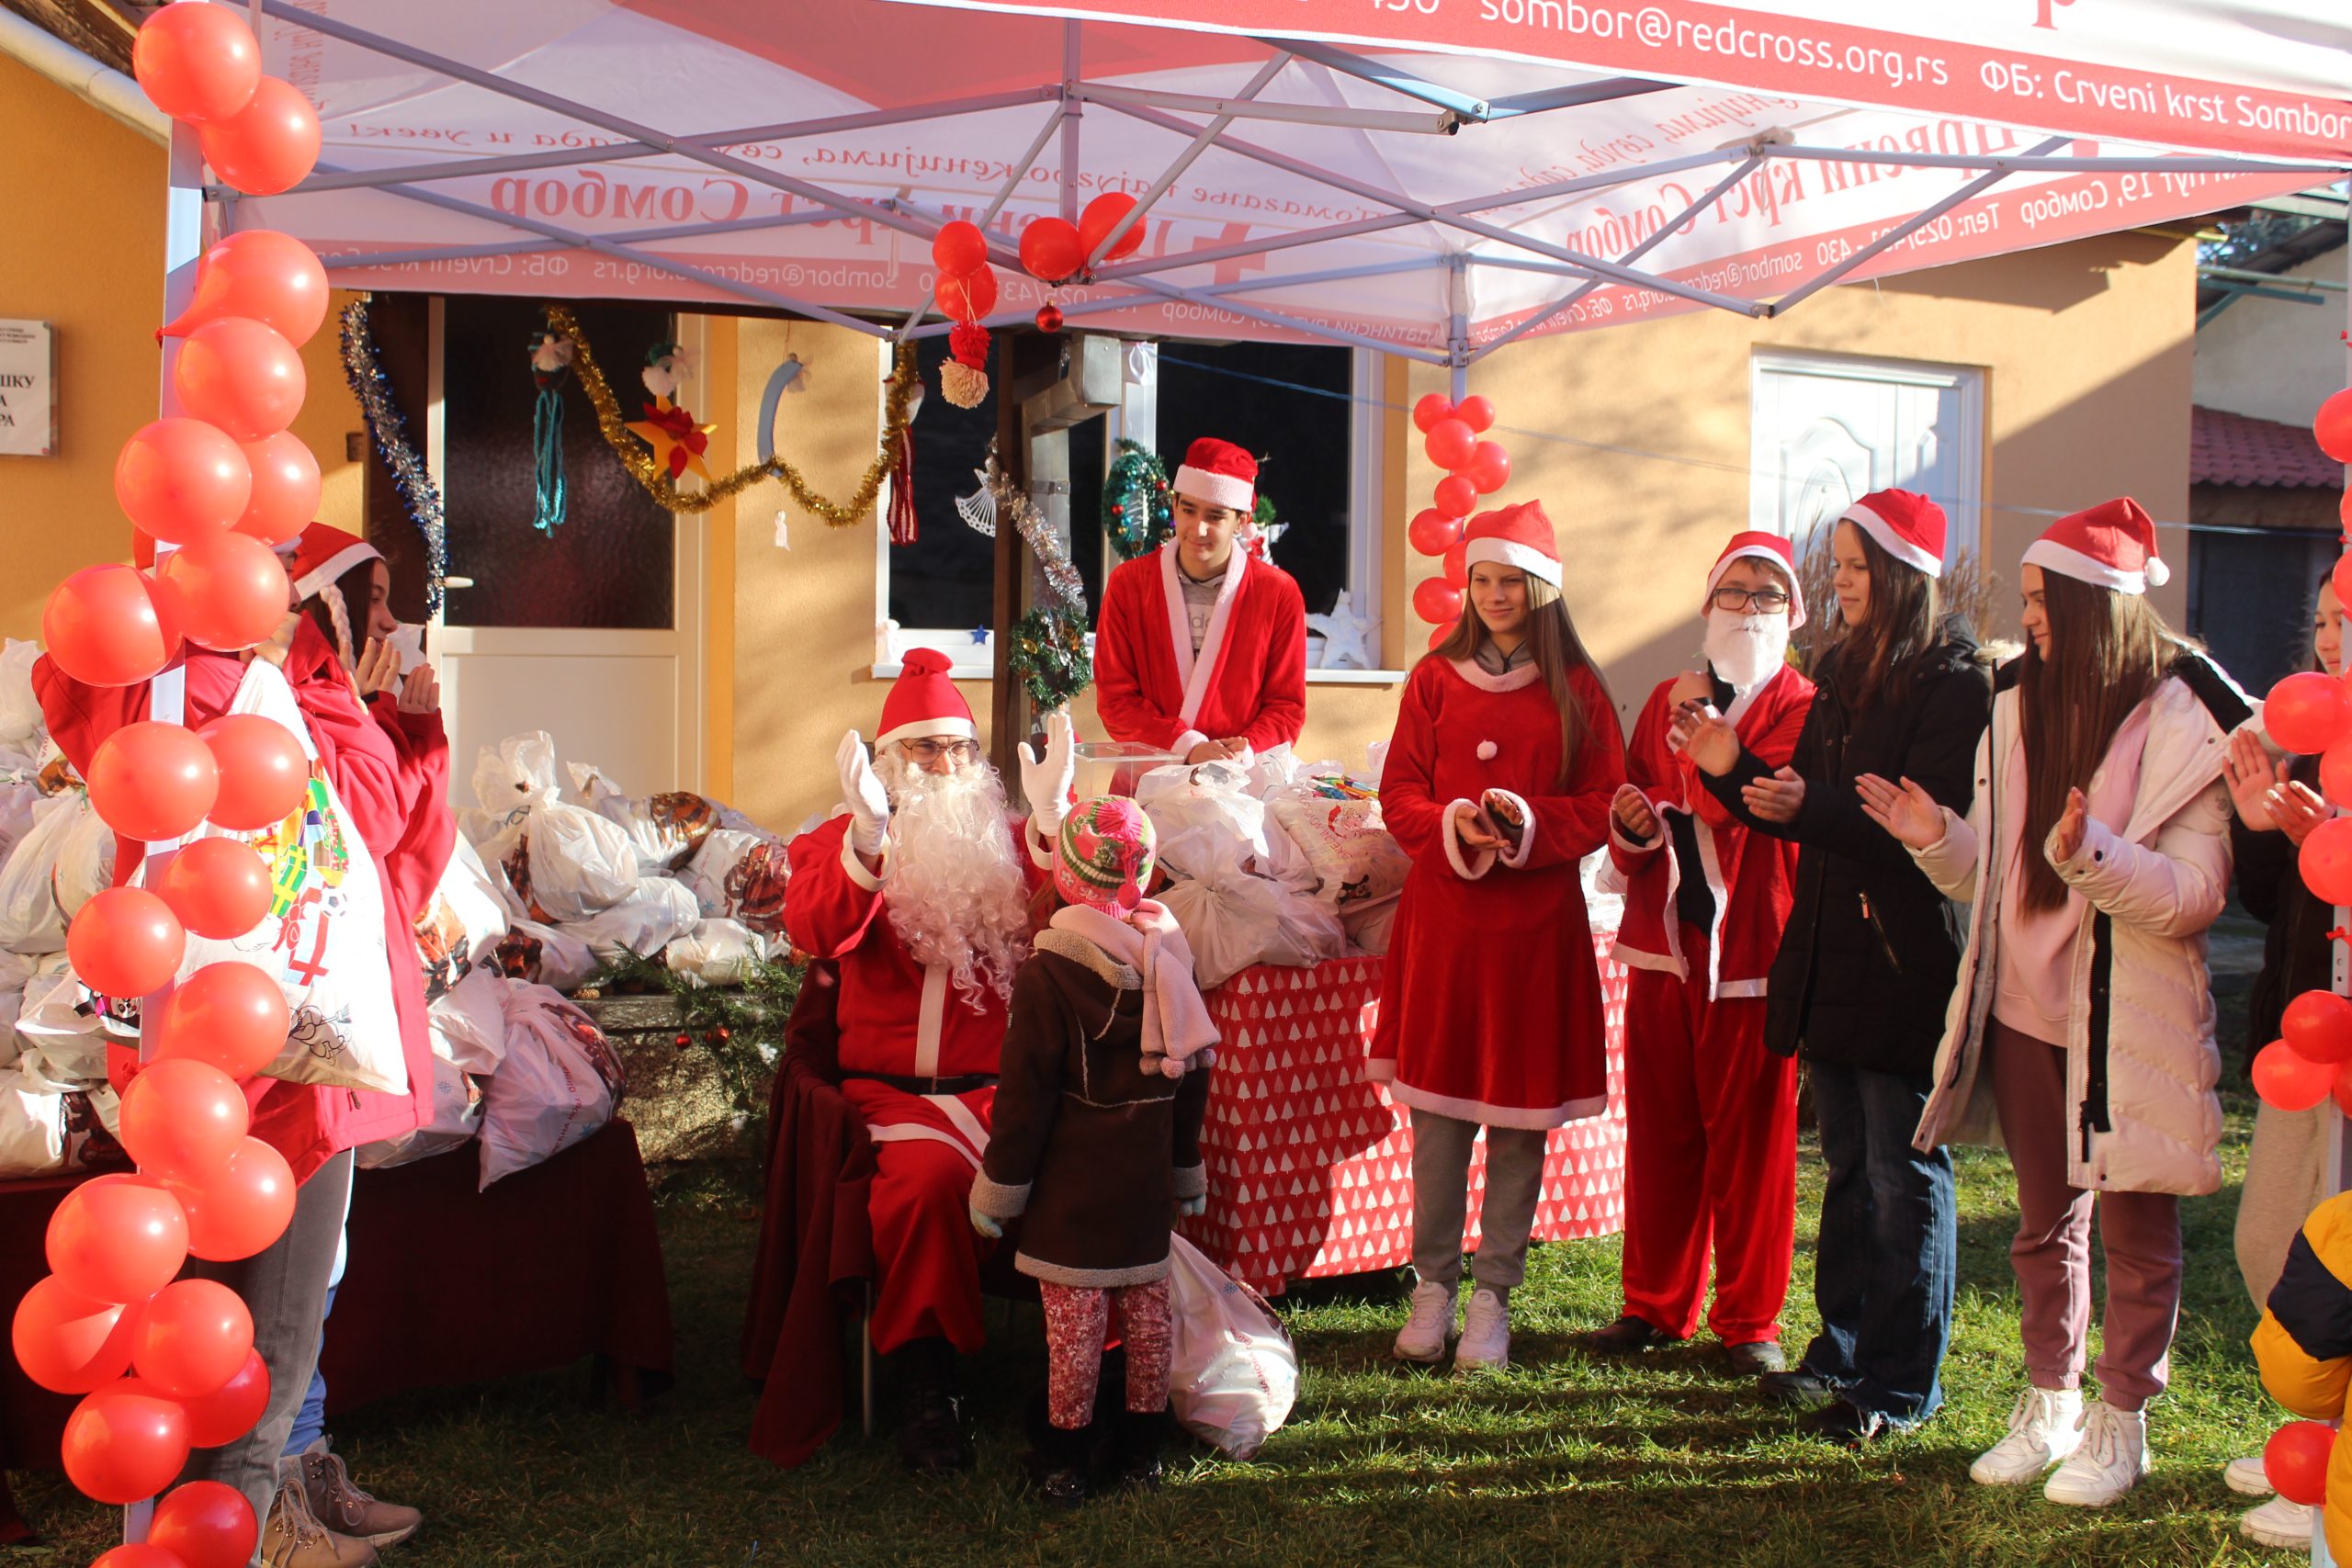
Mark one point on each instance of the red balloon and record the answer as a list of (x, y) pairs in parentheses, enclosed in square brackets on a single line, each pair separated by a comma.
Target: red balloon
[(219, 888), (2288, 1081), (154, 781), (230, 1411), (1438, 635), (205, 1524), (182, 478), (195, 1334), (1436, 600), (125, 943), (2295, 1458), (1430, 409), (197, 63), (263, 773), (958, 248), (117, 1238), (2318, 1027), (227, 592), (229, 1014), (70, 1343), (273, 277), (1455, 495), (139, 1555), (2336, 771), (269, 145), (1450, 443), (2333, 425), (1103, 215), (2340, 579), (243, 377), (2325, 861), (1457, 564), (1051, 249), (1489, 467), (286, 488), (182, 1119), (1432, 531), (125, 1442), (103, 629), (243, 1208), (2307, 712), (970, 296), (1476, 413)]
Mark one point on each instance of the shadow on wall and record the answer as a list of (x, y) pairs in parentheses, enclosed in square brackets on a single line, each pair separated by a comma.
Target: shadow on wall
[(1992, 283)]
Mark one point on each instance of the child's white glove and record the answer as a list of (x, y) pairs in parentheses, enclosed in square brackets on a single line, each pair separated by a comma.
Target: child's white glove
[(988, 1225), (869, 803), (1187, 1207)]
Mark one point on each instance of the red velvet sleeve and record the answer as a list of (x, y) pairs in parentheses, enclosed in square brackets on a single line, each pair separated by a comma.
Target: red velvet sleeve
[(1120, 702), (1573, 823), (420, 757), (830, 906), (1281, 704), (1650, 769), (1408, 803)]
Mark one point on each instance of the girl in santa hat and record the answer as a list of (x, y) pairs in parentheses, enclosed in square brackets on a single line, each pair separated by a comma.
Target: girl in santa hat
[(1499, 779), (2095, 856), (1866, 962)]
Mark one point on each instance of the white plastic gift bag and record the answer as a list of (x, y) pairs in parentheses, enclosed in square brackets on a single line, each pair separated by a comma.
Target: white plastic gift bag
[(738, 875), (560, 1083), (468, 1024), (460, 926), (716, 953), (565, 863), (31, 921), (655, 914), (1232, 1371)]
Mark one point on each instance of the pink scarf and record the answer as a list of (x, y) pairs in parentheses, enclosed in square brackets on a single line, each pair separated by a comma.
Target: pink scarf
[(1178, 1032)]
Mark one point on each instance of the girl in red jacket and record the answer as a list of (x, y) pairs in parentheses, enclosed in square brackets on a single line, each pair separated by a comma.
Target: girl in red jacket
[(1497, 784)]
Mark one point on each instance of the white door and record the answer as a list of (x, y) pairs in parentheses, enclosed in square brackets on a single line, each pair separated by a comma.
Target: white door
[(1827, 431), (628, 700)]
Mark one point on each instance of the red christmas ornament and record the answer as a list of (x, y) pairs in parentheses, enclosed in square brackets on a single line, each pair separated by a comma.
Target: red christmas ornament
[(684, 1040), (1049, 317)]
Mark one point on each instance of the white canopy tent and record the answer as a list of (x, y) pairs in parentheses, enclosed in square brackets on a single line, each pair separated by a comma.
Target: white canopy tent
[(1432, 178)]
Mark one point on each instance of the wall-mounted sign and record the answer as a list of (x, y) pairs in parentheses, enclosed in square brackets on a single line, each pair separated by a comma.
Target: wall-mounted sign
[(28, 389)]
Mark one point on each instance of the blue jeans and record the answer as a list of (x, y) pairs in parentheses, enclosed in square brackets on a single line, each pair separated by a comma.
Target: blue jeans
[(1883, 1268)]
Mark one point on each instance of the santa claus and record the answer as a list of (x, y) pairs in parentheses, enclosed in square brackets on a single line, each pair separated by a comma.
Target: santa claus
[(920, 890), (1201, 647), (1710, 1113)]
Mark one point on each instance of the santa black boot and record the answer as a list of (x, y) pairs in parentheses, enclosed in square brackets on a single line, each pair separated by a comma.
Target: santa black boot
[(1142, 1435), (931, 1426), (1059, 1464)]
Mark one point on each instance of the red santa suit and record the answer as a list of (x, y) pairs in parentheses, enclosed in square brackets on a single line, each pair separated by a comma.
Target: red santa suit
[(906, 1020), (1491, 1008), (1710, 1113), (1248, 678)]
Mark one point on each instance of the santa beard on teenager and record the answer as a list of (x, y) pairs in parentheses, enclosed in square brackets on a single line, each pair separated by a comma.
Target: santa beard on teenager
[(957, 894), (1746, 649)]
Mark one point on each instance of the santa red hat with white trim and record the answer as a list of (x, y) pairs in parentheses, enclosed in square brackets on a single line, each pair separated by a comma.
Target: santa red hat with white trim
[(321, 554), (1518, 535), (1906, 525), (1219, 473), (924, 702), (2112, 546), (1770, 548)]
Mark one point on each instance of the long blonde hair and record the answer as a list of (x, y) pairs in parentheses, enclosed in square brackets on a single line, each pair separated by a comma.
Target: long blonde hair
[(1552, 633)]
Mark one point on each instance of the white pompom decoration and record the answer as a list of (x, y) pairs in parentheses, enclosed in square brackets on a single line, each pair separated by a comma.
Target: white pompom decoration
[(1487, 750)]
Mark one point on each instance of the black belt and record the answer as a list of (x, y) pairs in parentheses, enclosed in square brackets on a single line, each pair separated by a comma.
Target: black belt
[(964, 1085)]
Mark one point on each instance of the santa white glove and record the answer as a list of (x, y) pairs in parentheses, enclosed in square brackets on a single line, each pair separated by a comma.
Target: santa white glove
[(1047, 784), (1188, 1207), (869, 803)]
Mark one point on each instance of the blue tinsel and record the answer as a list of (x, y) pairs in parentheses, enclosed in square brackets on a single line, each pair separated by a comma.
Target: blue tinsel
[(410, 476)]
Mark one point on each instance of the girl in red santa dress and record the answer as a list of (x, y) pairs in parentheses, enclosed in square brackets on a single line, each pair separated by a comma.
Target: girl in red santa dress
[(1499, 779)]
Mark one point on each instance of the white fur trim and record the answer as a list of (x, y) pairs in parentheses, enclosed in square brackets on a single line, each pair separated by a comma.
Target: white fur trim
[(1191, 1180), (1510, 552), (1518, 1116), (920, 1132), (931, 1015), (1740, 989), (1184, 744), (871, 881), (1455, 851), (997, 1200), (1229, 491), (916, 730), (1512, 681), (1892, 543), (1641, 958), (1518, 857), (1041, 850), (307, 586), (1196, 670), (2067, 561)]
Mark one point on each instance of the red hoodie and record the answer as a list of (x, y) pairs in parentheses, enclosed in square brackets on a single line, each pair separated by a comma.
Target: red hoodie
[(392, 771)]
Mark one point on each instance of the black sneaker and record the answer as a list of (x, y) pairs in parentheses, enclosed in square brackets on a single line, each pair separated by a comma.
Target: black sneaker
[(1057, 1465), (1845, 1425), (1141, 1435), (1629, 1336), (1755, 1359), (1798, 1385), (931, 1433)]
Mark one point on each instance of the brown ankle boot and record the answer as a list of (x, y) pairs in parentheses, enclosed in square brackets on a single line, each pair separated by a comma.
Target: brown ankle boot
[(294, 1539), (344, 1509)]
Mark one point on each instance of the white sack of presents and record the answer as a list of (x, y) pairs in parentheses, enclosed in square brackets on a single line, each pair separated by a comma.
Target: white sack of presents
[(666, 829), (47, 1126), (560, 1083), (1232, 920), (65, 847), (548, 955), (563, 861), (458, 929), (457, 1105), (655, 914), (716, 953), (467, 1022), (741, 875)]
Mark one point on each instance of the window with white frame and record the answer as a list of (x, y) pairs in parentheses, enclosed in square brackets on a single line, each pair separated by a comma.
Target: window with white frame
[(1311, 415), (1827, 429)]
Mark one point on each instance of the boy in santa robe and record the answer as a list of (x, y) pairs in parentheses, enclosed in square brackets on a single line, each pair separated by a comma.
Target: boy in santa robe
[(919, 891), (1201, 649), (1710, 1113)]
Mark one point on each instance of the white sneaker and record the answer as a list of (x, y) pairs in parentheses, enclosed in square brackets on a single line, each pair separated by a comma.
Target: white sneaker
[(2279, 1523), (1486, 1335), (2111, 1460), (2248, 1476), (1428, 1326), (2045, 1428)]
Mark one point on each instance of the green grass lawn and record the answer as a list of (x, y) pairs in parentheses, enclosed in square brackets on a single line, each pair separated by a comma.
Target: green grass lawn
[(1560, 1460)]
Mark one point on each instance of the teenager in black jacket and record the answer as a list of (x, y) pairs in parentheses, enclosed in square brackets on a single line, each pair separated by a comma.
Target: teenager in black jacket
[(1867, 962)]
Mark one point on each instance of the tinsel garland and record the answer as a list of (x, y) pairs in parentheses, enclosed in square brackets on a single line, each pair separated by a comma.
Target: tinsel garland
[(1134, 501), (411, 478), (1048, 656), (896, 416), (1003, 500)]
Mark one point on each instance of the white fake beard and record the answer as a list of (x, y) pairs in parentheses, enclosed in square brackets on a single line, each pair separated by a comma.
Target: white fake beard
[(1746, 649), (958, 893)]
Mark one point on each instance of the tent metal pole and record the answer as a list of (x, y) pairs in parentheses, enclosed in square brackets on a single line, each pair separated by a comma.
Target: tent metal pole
[(1713, 193), (1201, 138), (1295, 323), (1072, 110), (1457, 326), (1004, 194), (1396, 78), (354, 260), (1403, 121), (1335, 275), (1900, 232), (1602, 92)]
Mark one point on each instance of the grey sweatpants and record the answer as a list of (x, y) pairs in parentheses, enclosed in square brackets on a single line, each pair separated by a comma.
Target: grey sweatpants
[(1441, 1198)]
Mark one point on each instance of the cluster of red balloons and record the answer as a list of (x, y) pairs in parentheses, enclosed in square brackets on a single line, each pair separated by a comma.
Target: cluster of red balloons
[(202, 64), (2311, 713), (2313, 1057), (1474, 468)]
